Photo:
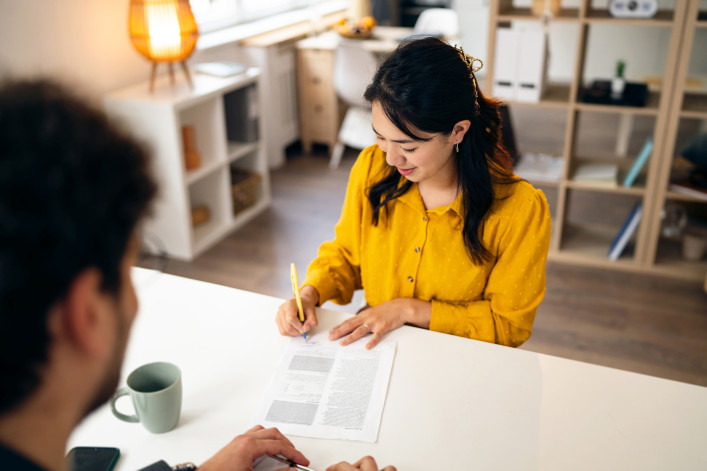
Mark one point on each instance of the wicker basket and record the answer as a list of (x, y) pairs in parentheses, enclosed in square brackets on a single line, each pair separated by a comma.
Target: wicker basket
[(245, 187)]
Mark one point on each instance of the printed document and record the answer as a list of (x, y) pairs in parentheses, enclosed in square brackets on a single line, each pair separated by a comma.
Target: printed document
[(324, 390)]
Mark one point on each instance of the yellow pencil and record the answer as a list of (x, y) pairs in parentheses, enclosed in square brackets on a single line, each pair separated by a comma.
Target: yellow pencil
[(295, 288)]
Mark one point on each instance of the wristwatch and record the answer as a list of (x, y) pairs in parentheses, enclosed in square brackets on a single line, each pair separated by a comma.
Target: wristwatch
[(162, 465)]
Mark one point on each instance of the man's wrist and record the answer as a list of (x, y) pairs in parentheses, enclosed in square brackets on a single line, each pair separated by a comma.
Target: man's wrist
[(162, 465)]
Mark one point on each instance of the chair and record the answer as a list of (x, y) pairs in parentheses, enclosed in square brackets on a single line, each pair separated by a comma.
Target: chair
[(438, 22), (354, 68)]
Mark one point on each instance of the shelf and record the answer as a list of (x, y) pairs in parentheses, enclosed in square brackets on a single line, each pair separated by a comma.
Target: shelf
[(193, 176), (208, 233), (618, 189), (181, 95), (236, 150), (591, 243), (159, 119), (525, 14), (661, 18), (555, 96), (694, 105), (589, 215), (669, 261), (624, 164), (651, 108), (250, 213), (205, 118), (211, 192), (676, 195)]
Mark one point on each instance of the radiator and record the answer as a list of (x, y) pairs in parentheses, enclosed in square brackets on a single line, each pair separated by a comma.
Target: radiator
[(278, 97)]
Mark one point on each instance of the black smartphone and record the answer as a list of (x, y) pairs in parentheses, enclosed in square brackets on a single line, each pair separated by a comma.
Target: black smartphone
[(92, 458)]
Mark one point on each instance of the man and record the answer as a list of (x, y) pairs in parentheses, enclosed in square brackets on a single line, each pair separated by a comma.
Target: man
[(72, 192)]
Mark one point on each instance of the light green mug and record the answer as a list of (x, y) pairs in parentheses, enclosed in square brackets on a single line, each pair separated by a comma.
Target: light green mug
[(156, 393)]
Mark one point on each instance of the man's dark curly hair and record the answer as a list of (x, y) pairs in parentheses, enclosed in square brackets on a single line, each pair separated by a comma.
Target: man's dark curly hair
[(72, 191)]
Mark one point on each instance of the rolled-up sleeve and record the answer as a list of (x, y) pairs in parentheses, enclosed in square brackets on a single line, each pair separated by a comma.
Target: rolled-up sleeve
[(335, 273)]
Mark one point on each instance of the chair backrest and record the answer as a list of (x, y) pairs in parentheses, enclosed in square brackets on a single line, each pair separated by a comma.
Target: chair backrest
[(354, 68), (438, 21)]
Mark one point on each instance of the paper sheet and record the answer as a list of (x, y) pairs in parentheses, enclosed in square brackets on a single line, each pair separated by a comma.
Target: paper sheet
[(323, 390)]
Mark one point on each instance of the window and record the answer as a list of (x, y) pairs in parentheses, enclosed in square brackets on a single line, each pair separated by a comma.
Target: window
[(215, 14)]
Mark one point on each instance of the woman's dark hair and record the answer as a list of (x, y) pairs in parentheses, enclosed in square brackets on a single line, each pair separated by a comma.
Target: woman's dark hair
[(425, 85), (72, 190)]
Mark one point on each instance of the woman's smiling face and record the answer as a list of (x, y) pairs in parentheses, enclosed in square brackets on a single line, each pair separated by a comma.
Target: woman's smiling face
[(415, 160)]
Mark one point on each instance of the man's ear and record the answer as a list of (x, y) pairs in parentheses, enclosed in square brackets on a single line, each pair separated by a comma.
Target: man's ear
[(85, 317)]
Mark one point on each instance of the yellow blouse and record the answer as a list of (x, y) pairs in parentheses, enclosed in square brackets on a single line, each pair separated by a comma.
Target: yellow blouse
[(419, 253)]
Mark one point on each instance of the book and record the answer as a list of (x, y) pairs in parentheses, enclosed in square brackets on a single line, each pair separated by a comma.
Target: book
[(639, 163), (685, 187), (626, 231), (598, 174), (539, 167)]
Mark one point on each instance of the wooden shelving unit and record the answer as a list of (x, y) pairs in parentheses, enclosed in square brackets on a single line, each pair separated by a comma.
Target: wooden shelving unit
[(663, 254), (157, 119), (588, 243)]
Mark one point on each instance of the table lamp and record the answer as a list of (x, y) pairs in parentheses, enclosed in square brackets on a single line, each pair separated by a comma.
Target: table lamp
[(163, 31)]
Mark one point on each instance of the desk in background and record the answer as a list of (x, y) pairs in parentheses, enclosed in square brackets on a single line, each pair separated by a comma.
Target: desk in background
[(320, 114), (452, 403)]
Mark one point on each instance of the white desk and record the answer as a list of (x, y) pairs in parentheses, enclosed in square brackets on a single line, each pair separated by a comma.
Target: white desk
[(452, 403), (383, 40)]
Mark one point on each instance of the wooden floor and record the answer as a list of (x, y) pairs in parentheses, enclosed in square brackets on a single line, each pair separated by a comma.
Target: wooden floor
[(641, 323)]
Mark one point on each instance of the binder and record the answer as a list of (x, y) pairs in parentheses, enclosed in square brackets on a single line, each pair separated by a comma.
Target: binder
[(505, 64), (626, 231), (241, 107), (639, 163), (531, 69)]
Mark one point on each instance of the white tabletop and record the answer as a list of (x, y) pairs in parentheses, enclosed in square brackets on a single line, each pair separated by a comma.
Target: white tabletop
[(452, 403)]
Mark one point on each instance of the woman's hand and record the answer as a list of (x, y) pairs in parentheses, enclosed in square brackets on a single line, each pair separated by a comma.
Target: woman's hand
[(383, 318), (287, 318), (364, 464), (256, 442)]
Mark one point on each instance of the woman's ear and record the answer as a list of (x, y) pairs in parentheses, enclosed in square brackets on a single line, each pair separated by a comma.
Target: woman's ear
[(459, 131)]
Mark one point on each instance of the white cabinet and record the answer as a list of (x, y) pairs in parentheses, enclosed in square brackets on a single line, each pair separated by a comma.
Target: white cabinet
[(157, 120)]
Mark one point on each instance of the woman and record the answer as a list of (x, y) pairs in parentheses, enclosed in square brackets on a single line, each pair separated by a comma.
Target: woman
[(435, 227)]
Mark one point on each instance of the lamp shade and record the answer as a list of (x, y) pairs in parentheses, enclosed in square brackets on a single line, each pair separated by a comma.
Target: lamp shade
[(163, 30)]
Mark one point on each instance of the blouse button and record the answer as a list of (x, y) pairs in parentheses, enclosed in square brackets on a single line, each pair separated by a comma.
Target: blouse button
[(417, 249), (410, 279), (424, 218)]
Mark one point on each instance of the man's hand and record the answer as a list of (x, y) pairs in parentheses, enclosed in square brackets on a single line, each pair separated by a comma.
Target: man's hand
[(366, 463), (243, 450)]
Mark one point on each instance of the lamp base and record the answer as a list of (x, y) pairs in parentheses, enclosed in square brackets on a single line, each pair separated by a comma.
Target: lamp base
[(153, 73)]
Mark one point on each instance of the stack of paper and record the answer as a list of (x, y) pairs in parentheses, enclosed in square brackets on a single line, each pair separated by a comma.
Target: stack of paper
[(597, 174), (539, 168), (324, 390)]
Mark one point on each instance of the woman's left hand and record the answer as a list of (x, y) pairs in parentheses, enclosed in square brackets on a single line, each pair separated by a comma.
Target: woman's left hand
[(381, 319)]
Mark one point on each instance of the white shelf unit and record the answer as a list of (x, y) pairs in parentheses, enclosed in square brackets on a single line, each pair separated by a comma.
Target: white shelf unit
[(156, 119)]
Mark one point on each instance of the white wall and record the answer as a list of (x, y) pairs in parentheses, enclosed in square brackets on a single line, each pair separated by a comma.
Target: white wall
[(85, 43)]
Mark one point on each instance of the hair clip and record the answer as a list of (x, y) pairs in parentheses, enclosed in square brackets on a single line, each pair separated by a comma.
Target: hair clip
[(469, 60)]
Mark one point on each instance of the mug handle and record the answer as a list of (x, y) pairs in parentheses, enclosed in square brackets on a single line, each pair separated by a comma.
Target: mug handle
[(127, 418)]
